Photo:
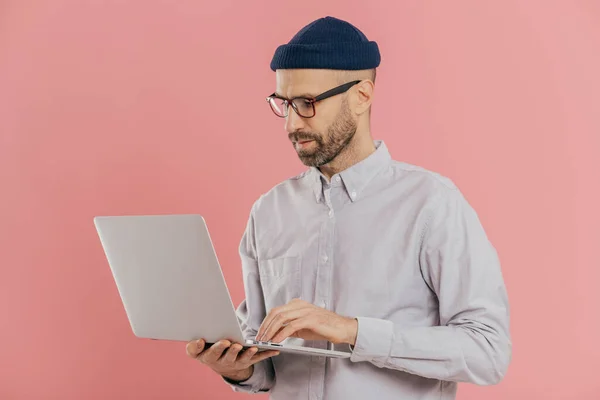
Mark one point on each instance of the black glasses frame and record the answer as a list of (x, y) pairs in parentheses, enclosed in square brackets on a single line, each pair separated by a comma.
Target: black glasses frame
[(325, 95)]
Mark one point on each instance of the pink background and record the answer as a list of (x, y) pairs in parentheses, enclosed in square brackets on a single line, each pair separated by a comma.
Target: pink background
[(141, 107)]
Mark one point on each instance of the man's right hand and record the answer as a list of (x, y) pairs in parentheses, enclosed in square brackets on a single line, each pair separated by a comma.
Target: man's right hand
[(226, 359)]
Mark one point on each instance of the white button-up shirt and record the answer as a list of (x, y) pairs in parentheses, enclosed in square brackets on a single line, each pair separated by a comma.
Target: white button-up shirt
[(399, 248)]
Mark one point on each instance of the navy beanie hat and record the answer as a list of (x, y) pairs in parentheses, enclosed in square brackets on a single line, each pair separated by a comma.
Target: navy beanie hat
[(328, 43)]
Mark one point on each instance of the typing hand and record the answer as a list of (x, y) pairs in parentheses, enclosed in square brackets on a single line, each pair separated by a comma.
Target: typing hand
[(304, 320)]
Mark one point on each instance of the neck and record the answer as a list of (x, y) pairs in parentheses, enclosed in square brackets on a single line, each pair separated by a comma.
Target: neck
[(357, 150)]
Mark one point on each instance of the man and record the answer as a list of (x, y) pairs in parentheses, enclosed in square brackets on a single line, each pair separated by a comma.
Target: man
[(383, 257)]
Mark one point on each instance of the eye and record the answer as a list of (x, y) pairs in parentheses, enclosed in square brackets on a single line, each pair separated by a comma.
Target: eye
[(304, 103), (304, 106)]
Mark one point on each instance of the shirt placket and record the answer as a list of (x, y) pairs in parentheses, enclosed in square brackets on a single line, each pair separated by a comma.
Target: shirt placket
[(323, 284), (323, 289)]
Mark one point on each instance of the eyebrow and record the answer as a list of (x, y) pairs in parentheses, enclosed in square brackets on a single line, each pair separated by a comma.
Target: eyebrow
[(307, 95)]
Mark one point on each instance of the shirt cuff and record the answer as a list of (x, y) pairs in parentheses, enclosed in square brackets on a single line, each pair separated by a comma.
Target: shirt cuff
[(373, 341), (255, 384)]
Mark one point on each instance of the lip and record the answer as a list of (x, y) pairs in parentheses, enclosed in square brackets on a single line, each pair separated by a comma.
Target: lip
[(301, 144)]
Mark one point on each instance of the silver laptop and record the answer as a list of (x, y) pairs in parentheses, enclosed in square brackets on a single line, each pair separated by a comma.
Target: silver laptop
[(171, 284)]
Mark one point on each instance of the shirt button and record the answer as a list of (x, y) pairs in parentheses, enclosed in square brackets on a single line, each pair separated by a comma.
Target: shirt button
[(337, 179), (322, 304), (325, 258), (353, 194)]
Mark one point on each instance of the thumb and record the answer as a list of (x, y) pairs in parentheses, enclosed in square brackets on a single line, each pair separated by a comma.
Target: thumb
[(195, 348)]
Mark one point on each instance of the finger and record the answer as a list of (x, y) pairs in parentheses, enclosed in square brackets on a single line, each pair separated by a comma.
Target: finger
[(263, 355), (308, 323), (230, 357), (194, 348), (215, 352), (267, 321), (247, 355), (292, 305), (300, 309), (283, 319)]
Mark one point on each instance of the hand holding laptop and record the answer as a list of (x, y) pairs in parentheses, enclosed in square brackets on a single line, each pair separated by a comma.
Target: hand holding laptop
[(296, 319), (225, 358)]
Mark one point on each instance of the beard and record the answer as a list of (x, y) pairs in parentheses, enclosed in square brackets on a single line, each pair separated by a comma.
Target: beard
[(327, 148)]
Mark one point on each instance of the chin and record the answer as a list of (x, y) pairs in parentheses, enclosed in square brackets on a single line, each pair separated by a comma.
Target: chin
[(309, 162)]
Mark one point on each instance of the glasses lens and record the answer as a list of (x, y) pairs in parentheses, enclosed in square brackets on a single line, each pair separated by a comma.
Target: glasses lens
[(278, 106), (304, 107)]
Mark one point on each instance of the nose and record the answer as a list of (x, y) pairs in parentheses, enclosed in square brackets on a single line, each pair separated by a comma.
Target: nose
[(293, 121)]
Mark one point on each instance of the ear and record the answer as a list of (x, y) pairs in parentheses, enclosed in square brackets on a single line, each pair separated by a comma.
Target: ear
[(364, 96)]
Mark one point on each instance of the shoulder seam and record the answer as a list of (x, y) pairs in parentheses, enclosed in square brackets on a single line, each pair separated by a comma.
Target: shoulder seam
[(443, 180)]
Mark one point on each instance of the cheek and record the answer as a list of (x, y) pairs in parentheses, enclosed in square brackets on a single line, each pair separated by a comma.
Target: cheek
[(328, 122), (319, 126)]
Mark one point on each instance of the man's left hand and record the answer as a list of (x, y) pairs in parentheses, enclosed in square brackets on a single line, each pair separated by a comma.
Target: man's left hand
[(304, 320)]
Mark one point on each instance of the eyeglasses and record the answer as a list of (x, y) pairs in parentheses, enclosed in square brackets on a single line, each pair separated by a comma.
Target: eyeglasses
[(303, 106)]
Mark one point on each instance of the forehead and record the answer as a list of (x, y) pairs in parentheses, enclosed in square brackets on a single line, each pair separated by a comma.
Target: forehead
[(303, 82)]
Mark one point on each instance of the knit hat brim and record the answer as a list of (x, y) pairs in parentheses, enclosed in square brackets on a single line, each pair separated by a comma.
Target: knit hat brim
[(340, 56)]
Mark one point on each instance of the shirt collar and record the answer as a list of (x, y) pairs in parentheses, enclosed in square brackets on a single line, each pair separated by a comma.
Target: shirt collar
[(355, 178)]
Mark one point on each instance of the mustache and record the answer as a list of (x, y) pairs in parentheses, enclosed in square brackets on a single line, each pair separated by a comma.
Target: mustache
[(300, 136)]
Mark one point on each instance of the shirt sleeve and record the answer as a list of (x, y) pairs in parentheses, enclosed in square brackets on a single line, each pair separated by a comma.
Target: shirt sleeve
[(251, 312), (472, 342)]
